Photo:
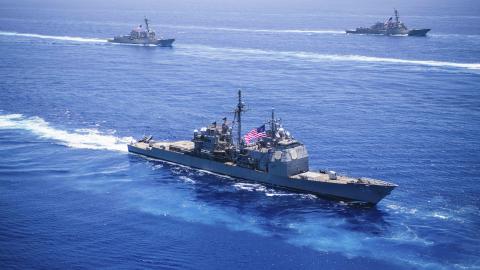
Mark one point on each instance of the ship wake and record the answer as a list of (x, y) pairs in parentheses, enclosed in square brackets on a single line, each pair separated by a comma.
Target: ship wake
[(228, 53), (264, 31), (79, 138), (64, 38), (259, 54)]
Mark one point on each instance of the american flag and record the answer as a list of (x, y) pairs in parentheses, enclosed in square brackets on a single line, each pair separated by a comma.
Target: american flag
[(255, 134)]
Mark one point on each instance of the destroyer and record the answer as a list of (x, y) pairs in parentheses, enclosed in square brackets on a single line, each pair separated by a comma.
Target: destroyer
[(389, 27), (268, 154), (143, 36)]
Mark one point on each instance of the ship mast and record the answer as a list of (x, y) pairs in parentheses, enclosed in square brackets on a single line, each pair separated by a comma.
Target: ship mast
[(146, 24), (397, 19), (238, 114), (273, 123)]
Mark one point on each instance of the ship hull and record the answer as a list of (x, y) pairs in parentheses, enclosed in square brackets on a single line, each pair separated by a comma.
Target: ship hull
[(143, 41), (365, 32), (390, 32), (418, 32), (368, 194)]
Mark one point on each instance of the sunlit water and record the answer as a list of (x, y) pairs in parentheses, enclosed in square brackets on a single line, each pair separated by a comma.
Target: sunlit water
[(401, 109)]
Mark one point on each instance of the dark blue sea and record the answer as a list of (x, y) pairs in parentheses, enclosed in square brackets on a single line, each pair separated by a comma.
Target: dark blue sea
[(402, 109)]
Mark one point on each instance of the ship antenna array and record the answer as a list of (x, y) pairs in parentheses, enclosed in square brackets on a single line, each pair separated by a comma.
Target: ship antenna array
[(273, 123), (238, 112)]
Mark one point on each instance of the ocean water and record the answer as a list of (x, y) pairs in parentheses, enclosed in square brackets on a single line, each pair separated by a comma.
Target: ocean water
[(402, 109)]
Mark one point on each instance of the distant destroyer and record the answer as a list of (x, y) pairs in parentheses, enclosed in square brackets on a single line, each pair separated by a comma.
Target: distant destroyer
[(389, 28), (143, 36), (268, 154)]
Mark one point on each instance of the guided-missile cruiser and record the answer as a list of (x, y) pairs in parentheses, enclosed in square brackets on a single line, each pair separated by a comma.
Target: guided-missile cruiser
[(390, 27), (143, 36), (268, 154)]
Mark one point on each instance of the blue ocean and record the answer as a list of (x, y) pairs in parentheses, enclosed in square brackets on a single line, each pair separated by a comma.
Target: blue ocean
[(401, 109)]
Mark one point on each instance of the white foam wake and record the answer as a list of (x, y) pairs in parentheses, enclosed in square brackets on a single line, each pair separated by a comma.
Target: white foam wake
[(66, 38), (316, 57), (251, 30), (81, 138), (276, 55), (361, 58)]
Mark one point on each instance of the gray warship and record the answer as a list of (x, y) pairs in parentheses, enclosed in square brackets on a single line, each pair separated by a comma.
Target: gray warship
[(274, 158), (143, 36), (389, 28)]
